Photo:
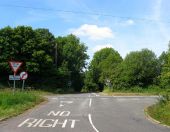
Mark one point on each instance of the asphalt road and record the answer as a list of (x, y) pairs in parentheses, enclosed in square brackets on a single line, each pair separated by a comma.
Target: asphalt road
[(86, 113)]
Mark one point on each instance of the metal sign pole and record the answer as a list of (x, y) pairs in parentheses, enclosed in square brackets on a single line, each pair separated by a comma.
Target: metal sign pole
[(14, 84), (23, 82)]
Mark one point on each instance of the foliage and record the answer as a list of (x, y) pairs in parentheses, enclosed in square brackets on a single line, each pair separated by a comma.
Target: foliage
[(135, 90), (42, 58), (61, 62), (71, 54), (33, 47), (165, 74), (161, 110), (11, 105), (101, 68), (139, 68), (165, 98)]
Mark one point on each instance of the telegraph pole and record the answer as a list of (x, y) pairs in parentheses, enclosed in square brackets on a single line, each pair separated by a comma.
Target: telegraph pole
[(56, 54)]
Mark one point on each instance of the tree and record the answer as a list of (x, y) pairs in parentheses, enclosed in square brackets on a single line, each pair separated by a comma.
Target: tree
[(139, 68), (163, 58), (101, 67), (6, 49), (165, 69), (71, 54), (33, 47)]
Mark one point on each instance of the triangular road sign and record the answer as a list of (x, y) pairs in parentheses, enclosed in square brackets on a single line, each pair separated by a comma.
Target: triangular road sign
[(15, 65)]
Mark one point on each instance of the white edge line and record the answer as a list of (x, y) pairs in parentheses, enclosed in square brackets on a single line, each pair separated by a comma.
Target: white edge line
[(90, 120), (90, 102)]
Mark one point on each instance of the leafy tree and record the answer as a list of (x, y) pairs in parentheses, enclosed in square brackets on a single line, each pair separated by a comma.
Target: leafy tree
[(6, 49), (42, 57), (71, 54), (101, 67), (163, 58), (33, 47), (165, 71), (139, 68)]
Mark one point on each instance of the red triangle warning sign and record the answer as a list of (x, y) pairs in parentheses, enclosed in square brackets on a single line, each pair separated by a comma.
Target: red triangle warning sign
[(15, 65)]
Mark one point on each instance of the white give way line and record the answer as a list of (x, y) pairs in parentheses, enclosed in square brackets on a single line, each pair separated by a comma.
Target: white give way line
[(90, 120)]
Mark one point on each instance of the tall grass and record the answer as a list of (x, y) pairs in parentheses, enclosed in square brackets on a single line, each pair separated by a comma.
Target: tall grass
[(161, 110), (13, 104), (136, 90)]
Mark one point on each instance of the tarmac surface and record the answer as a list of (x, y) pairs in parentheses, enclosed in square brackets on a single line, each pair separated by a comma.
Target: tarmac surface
[(88, 112)]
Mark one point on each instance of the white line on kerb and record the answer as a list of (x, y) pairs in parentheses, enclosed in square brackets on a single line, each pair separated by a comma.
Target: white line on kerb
[(90, 120), (90, 102)]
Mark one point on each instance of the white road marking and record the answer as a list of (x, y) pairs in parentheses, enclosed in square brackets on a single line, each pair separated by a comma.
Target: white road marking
[(29, 124), (94, 94), (73, 122), (45, 124), (133, 96), (90, 120), (66, 102), (60, 123), (55, 98), (50, 123), (90, 102), (61, 105), (97, 95), (124, 99), (59, 113)]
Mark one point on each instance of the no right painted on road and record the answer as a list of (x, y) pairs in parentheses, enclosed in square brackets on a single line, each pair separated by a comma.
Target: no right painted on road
[(33, 122)]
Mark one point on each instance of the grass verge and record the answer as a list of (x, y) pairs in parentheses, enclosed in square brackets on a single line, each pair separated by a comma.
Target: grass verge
[(161, 110), (14, 104), (134, 91)]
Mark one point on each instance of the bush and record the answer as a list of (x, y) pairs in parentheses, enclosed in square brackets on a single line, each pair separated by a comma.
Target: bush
[(107, 90), (164, 99)]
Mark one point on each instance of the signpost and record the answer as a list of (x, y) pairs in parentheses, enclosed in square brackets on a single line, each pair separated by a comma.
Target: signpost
[(15, 65), (11, 77), (69, 84), (23, 76)]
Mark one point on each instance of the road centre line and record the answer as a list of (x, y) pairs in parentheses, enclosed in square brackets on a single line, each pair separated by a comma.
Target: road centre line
[(90, 102), (90, 120)]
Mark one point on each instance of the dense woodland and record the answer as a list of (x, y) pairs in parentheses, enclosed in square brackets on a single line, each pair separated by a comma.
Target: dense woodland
[(60, 63)]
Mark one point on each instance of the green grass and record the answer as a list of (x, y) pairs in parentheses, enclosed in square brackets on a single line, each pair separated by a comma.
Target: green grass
[(151, 90), (160, 112), (14, 104)]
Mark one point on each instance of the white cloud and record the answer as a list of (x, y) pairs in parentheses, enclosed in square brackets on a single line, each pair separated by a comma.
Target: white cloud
[(99, 47), (128, 22), (93, 32)]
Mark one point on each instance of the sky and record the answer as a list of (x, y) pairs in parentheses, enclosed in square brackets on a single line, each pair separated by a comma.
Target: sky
[(125, 25)]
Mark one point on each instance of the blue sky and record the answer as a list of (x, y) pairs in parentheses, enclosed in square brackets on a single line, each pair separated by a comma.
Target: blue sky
[(130, 25)]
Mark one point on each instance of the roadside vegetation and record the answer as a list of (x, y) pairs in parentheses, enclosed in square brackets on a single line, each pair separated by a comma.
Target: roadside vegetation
[(14, 104), (52, 62), (147, 91), (161, 110), (59, 64)]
